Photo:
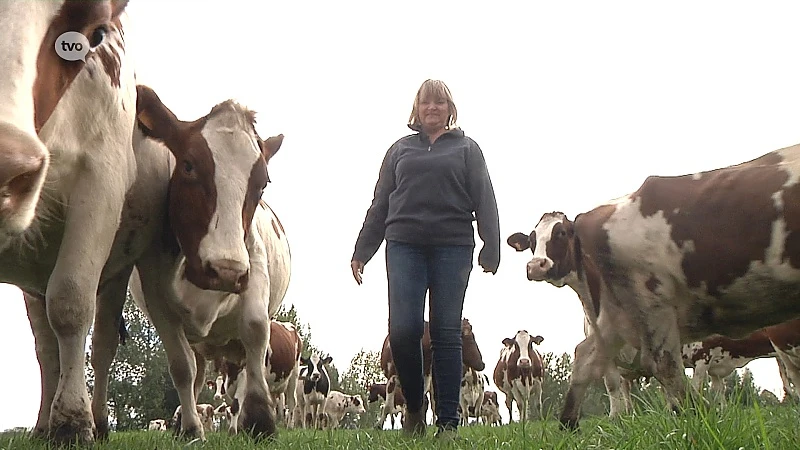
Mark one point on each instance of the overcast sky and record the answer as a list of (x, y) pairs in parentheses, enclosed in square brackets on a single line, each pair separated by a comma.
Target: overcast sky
[(573, 103)]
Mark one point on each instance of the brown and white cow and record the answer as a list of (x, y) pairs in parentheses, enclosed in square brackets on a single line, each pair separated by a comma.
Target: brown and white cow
[(66, 167), (678, 260), (392, 401), (470, 355), (204, 410), (490, 409), (157, 425), (338, 404), (519, 373), (716, 357), (282, 367), (222, 270)]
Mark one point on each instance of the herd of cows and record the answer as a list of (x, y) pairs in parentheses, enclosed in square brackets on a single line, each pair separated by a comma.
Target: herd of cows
[(102, 188)]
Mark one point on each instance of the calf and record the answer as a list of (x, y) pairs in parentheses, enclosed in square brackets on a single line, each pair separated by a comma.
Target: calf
[(157, 425), (223, 268), (470, 354), (316, 387), (490, 409), (339, 404), (519, 373), (204, 411), (471, 396), (668, 264)]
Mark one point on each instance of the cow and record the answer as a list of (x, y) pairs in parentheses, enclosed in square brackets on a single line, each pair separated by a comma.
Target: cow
[(338, 404), (205, 411), (157, 425), (519, 373), (679, 259), (490, 409), (394, 402), (67, 167), (470, 355), (221, 269), (316, 387), (282, 366), (473, 384), (717, 356)]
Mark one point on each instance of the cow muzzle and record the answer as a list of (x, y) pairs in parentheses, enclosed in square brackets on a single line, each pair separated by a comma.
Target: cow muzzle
[(227, 275), (538, 268), (23, 165), (524, 363)]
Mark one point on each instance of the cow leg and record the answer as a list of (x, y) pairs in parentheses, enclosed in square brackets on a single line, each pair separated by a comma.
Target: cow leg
[(291, 396), (200, 373), (105, 339), (790, 375), (661, 354), (145, 284), (699, 375), (47, 354), (616, 396), (590, 364), (509, 404), (625, 390), (536, 395), (717, 389)]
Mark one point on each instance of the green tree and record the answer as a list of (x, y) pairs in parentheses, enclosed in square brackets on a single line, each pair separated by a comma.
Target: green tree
[(140, 388), (363, 372)]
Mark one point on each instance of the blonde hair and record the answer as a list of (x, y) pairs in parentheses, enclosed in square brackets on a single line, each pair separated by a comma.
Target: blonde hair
[(435, 89)]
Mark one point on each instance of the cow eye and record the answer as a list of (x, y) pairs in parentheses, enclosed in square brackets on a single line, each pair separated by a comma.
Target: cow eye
[(188, 167), (97, 36)]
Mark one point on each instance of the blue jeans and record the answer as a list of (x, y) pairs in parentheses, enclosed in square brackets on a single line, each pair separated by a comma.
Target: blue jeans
[(412, 271)]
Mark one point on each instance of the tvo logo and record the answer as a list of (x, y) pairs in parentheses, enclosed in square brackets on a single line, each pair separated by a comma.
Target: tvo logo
[(72, 46)]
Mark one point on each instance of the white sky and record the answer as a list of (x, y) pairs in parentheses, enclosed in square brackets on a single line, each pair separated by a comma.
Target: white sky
[(573, 103)]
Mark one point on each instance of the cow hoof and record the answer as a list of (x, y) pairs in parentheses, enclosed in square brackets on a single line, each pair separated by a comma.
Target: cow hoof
[(192, 433), (569, 424), (258, 420), (80, 433), (102, 430), (40, 433)]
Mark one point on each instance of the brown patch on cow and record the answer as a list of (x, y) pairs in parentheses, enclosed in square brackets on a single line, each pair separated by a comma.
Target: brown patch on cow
[(727, 211), (754, 345), (652, 283), (785, 336), (284, 350), (54, 75)]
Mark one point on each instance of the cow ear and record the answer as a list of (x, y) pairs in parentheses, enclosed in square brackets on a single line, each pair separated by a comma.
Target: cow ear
[(211, 384), (270, 146), (538, 340), (327, 360), (156, 120), (519, 241), (508, 342)]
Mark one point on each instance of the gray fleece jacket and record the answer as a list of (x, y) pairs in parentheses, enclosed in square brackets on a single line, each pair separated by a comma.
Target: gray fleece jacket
[(430, 194)]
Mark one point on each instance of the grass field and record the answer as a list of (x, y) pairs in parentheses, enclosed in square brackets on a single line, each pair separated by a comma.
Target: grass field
[(733, 427)]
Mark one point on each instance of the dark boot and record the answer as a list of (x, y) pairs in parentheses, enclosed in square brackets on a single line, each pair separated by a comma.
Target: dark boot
[(414, 424)]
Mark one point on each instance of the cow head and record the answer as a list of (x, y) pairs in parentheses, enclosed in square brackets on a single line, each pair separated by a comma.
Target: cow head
[(219, 177), (376, 391), (355, 404), (32, 80), (555, 248), (315, 366), (521, 346), (470, 353)]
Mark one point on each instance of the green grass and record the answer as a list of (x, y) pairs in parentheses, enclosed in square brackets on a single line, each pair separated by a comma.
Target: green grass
[(733, 427)]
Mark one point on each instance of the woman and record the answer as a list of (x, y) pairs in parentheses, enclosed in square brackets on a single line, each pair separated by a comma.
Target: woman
[(429, 186)]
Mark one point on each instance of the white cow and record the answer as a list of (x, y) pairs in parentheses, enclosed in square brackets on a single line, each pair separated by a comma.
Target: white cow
[(224, 269), (157, 425)]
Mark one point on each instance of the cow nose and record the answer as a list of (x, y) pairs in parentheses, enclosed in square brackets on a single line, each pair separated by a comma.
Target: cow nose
[(217, 396), (232, 275), (524, 363), (538, 268), (23, 161)]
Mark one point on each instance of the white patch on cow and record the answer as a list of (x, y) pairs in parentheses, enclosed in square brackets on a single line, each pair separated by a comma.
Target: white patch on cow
[(697, 176), (235, 151), (790, 164)]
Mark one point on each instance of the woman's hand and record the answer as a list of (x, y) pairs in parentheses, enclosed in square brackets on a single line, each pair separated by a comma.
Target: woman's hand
[(358, 268)]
